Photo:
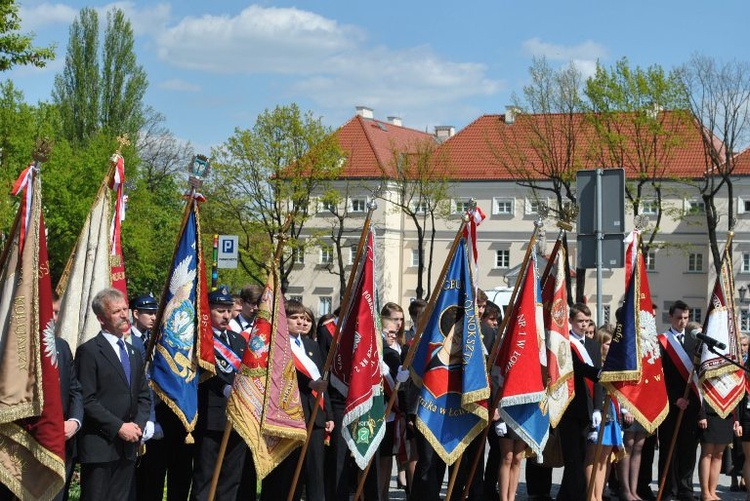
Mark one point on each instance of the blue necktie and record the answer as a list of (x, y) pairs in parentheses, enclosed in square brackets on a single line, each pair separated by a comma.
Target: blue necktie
[(296, 340), (124, 359)]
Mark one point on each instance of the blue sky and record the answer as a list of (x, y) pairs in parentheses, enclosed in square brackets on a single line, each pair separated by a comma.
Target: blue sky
[(214, 66)]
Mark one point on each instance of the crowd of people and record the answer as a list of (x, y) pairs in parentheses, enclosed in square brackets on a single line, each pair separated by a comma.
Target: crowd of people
[(130, 445)]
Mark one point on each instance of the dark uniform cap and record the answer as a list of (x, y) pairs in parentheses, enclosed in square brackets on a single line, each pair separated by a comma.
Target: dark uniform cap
[(221, 296), (147, 302)]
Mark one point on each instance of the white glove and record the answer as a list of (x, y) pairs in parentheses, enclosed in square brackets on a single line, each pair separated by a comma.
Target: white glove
[(158, 432), (593, 437), (402, 375), (384, 370), (227, 391), (148, 431), (596, 419), (501, 429)]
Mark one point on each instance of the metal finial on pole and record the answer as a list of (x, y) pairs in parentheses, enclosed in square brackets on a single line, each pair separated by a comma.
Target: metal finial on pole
[(42, 151)]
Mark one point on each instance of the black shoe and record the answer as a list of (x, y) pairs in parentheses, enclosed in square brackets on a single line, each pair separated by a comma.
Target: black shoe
[(647, 495)]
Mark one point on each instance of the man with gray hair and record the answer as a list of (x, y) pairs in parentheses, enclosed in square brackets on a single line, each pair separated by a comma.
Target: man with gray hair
[(116, 403)]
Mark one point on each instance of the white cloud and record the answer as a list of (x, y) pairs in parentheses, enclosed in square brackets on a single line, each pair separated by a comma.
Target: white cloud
[(586, 51), (257, 40), (179, 85), (46, 14)]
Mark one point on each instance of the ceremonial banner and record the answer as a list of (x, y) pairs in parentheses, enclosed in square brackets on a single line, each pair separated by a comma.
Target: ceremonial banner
[(183, 329), (356, 365), (632, 371), (87, 272), (117, 262), (448, 366), (32, 449), (476, 216), (521, 388), (560, 383), (721, 382), (264, 405)]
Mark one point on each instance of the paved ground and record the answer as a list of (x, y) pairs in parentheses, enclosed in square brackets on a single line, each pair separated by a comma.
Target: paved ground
[(723, 490)]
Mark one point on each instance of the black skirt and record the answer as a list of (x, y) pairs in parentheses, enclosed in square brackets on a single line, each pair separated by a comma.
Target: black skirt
[(719, 431)]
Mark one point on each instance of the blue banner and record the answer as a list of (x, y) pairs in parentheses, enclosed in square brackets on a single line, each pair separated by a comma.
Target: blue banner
[(449, 365), (173, 369)]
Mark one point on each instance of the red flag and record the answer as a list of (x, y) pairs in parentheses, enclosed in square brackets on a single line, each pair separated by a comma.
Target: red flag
[(116, 260), (633, 370), (560, 383), (32, 450)]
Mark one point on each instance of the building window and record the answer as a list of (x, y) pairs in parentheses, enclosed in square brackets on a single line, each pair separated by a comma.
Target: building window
[(746, 262), (502, 206), (352, 254), (744, 320), (357, 205), (414, 258), (606, 311), (325, 305), (419, 207), (326, 254), (695, 207), (531, 207), (461, 206), (327, 206), (299, 256), (650, 260), (502, 258), (695, 262), (696, 315), (649, 207)]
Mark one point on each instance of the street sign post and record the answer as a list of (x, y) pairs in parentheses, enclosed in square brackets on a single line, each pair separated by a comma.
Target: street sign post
[(228, 251)]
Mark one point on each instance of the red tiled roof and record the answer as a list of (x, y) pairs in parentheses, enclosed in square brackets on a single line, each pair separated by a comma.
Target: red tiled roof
[(742, 163), (491, 149), (370, 145)]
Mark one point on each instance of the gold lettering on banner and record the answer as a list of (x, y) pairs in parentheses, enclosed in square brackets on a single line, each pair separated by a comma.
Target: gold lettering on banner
[(19, 319), (43, 269), (115, 277), (115, 260)]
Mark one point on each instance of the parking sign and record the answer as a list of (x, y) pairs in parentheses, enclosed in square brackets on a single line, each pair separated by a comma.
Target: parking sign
[(228, 251)]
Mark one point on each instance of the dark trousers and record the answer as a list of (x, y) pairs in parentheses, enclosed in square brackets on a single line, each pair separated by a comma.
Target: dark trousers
[(475, 448), (277, 484), (538, 480), (207, 444), (429, 472), (679, 481), (647, 464), (573, 441), (70, 463), (107, 481), (492, 468), (168, 458)]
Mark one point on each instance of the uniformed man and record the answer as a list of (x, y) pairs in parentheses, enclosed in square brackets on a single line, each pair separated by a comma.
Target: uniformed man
[(212, 403), (143, 308), (244, 320)]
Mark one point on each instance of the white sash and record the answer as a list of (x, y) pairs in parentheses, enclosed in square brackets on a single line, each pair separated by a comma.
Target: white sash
[(299, 353), (581, 351)]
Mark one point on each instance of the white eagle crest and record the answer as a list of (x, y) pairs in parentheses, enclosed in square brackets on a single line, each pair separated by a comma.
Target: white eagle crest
[(179, 313), (50, 350), (648, 337)]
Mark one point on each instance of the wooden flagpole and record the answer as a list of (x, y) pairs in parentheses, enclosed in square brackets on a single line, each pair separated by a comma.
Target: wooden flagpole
[(423, 319), (496, 348), (228, 427), (371, 206)]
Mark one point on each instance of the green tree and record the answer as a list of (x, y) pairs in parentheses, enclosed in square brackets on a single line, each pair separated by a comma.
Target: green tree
[(640, 119), (266, 174), (16, 48), (106, 95)]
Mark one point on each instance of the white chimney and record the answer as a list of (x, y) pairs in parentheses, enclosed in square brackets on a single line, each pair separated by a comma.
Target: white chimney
[(443, 132), (395, 121), (510, 114), (364, 112)]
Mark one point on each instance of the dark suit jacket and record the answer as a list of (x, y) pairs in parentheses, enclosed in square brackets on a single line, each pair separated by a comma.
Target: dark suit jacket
[(108, 401), (674, 381), (307, 398), (212, 405), (584, 403), (71, 393)]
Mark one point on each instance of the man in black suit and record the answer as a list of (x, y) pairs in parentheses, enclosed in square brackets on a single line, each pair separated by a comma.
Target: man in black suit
[(116, 403), (583, 414), (309, 363), (72, 402), (678, 349), (212, 405)]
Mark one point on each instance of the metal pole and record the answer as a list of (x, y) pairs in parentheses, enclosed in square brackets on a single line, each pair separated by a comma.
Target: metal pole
[(599, 240), (215, 264)]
